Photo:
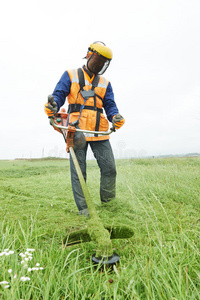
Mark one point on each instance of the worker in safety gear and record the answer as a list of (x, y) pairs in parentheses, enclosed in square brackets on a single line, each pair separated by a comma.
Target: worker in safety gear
[(88, 93)]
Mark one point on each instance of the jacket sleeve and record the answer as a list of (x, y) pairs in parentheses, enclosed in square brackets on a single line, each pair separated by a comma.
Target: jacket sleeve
[(62, 89), (109, 103)]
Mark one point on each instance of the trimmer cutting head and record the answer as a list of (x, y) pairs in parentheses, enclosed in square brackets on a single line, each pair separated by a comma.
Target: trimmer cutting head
[(106, 261)]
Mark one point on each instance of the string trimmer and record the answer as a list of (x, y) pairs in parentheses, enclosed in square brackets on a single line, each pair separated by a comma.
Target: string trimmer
[(95, 230)]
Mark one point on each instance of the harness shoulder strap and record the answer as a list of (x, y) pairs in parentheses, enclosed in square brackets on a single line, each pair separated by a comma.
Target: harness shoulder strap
[(95, 81), (81, 79)]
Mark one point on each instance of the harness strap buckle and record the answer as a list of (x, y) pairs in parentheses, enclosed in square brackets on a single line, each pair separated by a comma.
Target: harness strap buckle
[(87, 94)]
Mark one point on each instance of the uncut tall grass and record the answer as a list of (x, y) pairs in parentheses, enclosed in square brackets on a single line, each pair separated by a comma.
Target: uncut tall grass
[(159, 198)]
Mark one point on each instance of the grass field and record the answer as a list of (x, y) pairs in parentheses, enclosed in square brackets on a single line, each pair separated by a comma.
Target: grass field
[(158, 198)]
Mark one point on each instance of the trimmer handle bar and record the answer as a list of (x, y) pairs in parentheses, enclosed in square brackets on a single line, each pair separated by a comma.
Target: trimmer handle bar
[(82, 130)]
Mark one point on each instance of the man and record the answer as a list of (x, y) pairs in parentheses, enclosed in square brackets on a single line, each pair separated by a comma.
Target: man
[(88, 93)]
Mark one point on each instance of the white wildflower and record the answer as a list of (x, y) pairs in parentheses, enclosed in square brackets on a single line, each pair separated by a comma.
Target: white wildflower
[(4, 282), (10, 271), (26, 259), (23, 261), (35, 269), (22, 255), (6, 252), (15, 276), (30, 250), (24, 278), (37, 265), (41, 268), (6, 286)]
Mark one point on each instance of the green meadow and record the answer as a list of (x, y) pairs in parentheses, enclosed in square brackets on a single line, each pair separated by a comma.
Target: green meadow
[(159, 198)]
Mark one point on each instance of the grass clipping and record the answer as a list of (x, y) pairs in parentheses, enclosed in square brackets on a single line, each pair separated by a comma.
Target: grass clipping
[(101, 236)]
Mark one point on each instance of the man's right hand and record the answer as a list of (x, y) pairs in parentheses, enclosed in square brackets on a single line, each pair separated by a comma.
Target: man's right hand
[(50, 107)]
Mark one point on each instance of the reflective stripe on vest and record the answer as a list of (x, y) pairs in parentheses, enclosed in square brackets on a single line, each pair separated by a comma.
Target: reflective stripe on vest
[(76, 79)]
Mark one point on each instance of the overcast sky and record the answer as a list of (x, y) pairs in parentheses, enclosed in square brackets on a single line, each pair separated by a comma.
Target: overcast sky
[(155, 71)]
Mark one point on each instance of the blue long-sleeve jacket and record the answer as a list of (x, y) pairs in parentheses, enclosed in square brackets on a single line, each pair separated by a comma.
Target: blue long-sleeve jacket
[(62, 90)]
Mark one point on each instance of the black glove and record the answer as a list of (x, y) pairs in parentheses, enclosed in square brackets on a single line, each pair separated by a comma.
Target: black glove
[(50, 108), (118, 121)]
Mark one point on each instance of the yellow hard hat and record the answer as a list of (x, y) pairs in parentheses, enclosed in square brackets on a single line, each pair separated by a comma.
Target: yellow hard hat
[(101, 49)]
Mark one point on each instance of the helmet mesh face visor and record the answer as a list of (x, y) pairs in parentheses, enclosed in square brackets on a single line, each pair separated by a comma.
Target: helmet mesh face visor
[(97, 64), (105, 67)]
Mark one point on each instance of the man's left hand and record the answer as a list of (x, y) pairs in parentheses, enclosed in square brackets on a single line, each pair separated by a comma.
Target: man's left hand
[(118, 121)]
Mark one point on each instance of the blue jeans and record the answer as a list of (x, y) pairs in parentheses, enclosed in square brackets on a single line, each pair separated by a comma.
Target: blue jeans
[(104, 155)]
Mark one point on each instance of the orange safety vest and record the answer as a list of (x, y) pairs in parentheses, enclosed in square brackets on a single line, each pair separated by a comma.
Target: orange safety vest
[(92, 117)]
